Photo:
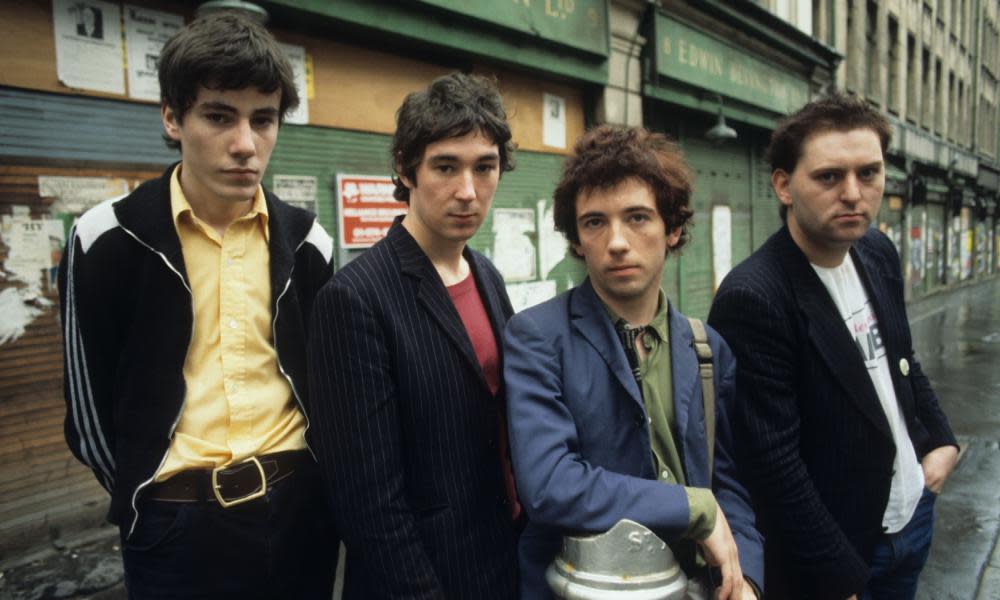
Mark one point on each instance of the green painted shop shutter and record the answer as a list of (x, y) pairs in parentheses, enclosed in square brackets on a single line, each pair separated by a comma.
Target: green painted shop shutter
[(533, 179), (323, 153), (765, 216), (722, 178)]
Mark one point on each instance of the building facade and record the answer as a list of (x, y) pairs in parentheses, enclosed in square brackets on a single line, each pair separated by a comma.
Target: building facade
[(931, 66), (80, 122)]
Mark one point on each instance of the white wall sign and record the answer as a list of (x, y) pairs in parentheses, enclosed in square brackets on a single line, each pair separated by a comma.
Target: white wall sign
[(88, 38), (297, 190), (552, 247), (35, 248), (145, 33), (722, 243), (553, 121), (524, 295), (297, 56), (513, 249)]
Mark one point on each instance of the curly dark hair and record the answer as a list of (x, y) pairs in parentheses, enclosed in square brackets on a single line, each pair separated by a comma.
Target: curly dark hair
[(608, 155), (836, 112), (451, 106), (223, 51)]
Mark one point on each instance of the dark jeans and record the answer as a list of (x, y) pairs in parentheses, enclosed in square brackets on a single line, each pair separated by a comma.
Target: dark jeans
[(279, 546), (899, 557)]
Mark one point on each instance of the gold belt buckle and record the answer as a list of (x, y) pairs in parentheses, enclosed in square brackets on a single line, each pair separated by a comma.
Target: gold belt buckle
[(251, 496)]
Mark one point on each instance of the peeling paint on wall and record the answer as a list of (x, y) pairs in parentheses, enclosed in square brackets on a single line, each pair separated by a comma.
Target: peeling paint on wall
[(34, 248), (18, 308)]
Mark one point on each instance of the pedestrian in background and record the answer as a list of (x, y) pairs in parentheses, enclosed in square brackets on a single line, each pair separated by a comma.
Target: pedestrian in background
[(841, 433), (405, 366), (185, 307)]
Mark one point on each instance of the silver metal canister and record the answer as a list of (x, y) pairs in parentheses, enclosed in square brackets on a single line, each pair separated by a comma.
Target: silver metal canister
[(627, 562)]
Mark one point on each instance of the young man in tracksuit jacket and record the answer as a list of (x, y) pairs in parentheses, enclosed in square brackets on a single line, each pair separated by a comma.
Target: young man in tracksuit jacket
[(185, 308)]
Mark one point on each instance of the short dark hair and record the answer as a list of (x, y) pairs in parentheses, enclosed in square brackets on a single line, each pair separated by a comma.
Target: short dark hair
[(608, 155), (836, 112), (223, 51), (451, 106)]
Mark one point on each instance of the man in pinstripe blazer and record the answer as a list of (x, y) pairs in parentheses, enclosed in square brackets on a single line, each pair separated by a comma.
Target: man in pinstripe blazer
[(843, 437), (406, 366)]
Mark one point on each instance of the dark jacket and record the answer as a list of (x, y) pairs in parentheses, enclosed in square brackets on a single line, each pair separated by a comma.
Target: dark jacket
[(406, 429), (815, 439), (580, 441), (127, 318)]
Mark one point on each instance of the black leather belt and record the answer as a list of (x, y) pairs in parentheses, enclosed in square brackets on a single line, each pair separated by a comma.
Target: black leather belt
[(233, 484)]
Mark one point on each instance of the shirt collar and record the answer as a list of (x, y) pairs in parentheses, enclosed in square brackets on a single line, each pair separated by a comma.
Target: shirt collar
[(658, 324), (179, 204)]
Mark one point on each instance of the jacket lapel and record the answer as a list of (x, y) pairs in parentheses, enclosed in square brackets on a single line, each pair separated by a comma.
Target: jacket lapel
[(590, 318), (497, 309), (147, 215), (828, 335), (432, 295), (880, 297), (686, 382), (286, 232)]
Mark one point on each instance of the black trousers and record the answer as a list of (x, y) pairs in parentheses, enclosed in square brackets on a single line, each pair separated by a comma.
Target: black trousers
[(280, 546)]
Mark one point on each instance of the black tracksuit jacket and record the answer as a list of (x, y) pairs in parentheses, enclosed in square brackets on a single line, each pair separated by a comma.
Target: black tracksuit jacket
[(127, 320)]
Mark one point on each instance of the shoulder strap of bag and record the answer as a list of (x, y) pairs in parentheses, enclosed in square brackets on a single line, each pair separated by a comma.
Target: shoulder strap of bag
[(704, 352)]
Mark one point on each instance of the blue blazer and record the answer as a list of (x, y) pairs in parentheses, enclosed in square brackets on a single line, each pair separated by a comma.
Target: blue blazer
[(580, 441), (812, 433), (406, 430)]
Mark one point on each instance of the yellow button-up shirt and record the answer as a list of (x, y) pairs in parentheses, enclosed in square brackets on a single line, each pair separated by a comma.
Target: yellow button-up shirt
[(238, 403)]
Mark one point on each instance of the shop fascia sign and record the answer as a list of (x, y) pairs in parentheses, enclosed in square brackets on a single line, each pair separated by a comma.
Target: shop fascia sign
[(581, 24), (690, 56)]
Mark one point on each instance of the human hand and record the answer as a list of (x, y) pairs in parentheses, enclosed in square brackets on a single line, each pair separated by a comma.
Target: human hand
[(937, 465), (748, 593), (720, 551)]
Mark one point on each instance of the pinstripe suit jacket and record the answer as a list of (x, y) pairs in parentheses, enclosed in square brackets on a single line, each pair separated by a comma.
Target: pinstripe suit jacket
[(405, 428), (815, 440)]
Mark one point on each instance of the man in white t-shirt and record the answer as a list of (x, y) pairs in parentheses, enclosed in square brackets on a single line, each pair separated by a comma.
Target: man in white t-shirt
[(841, 435)]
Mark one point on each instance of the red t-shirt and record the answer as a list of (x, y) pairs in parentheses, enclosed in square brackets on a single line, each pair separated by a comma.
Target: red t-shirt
[(470, 308)]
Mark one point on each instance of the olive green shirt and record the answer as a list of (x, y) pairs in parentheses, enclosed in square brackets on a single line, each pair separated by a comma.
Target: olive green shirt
[(658, 399)]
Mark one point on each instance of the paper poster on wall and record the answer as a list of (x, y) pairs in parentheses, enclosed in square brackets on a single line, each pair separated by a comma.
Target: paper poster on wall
[(513, 243), (552, 246), (525, 295), (297, 56), (297, 190), (76, 194), (35, 248), (553, 121), (88, 40), (722, 243), (145, 33), (367, 209)]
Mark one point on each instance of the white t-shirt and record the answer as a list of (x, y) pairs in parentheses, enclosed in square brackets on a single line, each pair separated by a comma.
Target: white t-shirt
[(855, 309)]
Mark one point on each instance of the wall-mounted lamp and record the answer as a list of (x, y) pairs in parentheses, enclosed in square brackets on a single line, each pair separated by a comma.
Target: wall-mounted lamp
[(721, 131), (247, 9)]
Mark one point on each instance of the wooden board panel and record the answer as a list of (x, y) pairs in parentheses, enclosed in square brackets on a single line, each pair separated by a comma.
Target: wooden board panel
[(43, 489)]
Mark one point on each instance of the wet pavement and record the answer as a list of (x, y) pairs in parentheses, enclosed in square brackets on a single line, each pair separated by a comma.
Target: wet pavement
[(957, 340), (87, 565)]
